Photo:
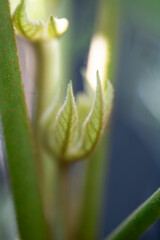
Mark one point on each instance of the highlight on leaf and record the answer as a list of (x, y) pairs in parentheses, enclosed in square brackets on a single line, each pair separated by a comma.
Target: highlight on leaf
[(76, 132), (37, 30), (108, 97), (56, 27)]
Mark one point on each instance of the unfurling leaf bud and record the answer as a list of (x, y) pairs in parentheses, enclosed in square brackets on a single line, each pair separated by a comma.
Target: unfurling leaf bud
[(38, 30), (71, 139)]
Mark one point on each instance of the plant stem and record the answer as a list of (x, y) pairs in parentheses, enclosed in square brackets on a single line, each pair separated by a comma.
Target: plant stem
[(47, 77), (47, 83), (108, 23), (139, 221), (92, 196), (64, 168), (63, 203), (48, 74), (17, 135)]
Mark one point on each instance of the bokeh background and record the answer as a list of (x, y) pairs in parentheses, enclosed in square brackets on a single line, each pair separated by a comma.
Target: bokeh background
[(133, 173)]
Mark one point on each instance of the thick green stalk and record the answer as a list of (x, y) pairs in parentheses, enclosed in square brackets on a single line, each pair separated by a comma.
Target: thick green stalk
[(47, 83), (139, 221), (19, 149)]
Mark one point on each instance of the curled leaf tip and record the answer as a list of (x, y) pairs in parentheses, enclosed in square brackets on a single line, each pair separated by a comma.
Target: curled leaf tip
[(38, 30), (56, 27), (92, 126)]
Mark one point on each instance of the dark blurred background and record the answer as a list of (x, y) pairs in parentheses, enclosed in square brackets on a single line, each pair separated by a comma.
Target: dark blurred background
[(134, 162)]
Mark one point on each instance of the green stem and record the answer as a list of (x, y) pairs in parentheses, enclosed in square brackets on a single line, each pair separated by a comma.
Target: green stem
[(47, 78), (48, 74), (107, 24), (17, 135), (140, 220), (54, 60), (91, 206), (63, 203), (64, 169)]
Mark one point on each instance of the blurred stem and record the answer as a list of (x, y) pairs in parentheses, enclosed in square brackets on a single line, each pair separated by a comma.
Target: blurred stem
[(65, 9), (17, 135), (139, 221), (53, 69), (106, 28), (92, 196), (48, 67), (64, 174), (62, 226), (108, 22), (47, 78)]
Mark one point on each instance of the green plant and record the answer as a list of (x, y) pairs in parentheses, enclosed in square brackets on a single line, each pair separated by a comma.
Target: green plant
[(63, 133)]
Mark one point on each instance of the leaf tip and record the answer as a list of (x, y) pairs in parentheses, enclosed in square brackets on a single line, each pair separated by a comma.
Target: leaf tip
[(70, 89)]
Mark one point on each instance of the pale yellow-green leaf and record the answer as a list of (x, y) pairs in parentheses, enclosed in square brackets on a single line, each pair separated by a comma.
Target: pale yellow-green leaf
[(65, 131), (33, 30), (56, 27), (92, 127), (70, 138), (37, 30)]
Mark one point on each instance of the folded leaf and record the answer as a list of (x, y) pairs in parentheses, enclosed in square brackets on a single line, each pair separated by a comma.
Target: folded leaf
[(92, 126), (64, 134)]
